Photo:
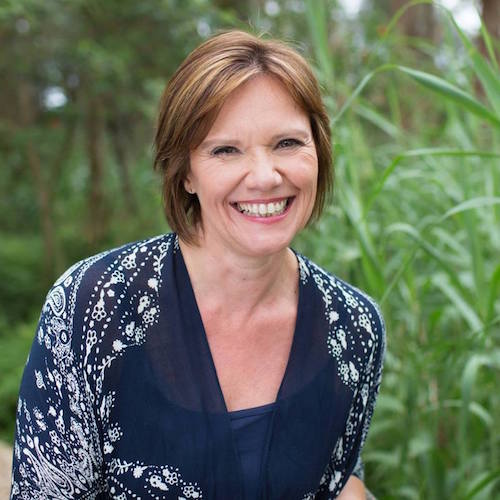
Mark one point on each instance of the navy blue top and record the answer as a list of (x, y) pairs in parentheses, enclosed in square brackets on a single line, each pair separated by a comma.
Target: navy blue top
[(250, 430), (120, 396)]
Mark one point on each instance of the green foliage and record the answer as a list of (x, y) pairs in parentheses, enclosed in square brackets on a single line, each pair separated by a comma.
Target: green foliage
[(19, 292), (414, 221), (15, 343)]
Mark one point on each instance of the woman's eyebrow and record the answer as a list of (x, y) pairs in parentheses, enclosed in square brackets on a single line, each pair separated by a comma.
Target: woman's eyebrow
[(220, 141), (299, 133)]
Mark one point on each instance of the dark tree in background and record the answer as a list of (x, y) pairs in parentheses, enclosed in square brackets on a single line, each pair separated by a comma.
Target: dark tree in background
[(107, 60), (419, 21), (490, 14)]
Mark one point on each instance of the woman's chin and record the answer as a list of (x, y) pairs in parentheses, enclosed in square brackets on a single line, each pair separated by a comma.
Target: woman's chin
[(258, 245)]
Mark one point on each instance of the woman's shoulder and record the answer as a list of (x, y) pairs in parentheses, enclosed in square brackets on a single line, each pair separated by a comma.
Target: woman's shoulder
[(88, 292), (103, 274), (119, 260)]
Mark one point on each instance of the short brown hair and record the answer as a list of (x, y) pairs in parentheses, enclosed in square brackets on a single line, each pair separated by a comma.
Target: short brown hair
[(196, 93)]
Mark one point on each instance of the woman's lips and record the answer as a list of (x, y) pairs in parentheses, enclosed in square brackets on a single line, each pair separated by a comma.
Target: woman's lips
[(263, 208)]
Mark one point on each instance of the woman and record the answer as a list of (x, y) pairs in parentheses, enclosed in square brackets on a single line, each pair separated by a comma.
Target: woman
[(213, 362)]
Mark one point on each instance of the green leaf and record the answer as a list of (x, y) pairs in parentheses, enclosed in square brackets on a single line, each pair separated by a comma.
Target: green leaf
[(420, 152), (452, 93), (494, 294), (478, 202), (488, 480), (469, 377), (488, 42), (378, 120), (475, 408), (489, 78), (461, 306), (359, 88), (430, 250), (317, 18)]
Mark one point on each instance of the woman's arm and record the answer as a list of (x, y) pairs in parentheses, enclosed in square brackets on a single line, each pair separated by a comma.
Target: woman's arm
[(353, 490), (363, 405), (56, 451)]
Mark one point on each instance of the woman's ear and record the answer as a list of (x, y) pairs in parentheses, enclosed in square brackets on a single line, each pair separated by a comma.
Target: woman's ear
[(188, 187)]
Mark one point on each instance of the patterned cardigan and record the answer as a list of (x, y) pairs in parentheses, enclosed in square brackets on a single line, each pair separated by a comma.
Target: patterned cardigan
[(120, 397)]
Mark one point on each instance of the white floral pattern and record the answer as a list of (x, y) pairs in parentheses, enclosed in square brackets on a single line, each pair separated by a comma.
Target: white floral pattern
[(66, 435), (65, 462), (354, 346)]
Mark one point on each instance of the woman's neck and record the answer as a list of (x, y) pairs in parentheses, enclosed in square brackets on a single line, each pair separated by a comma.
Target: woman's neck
[(235, 282)]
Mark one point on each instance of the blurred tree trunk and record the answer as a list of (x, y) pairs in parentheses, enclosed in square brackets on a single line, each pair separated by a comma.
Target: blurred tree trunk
[(491, 16), (491, 19), (97, 216), (417, 21), (28, 112), (119, 144), (66, 148)]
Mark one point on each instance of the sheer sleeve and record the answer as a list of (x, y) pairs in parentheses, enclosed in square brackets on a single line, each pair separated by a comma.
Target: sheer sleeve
[(367, 395), (359, 469), (346, 457), (56, 450)]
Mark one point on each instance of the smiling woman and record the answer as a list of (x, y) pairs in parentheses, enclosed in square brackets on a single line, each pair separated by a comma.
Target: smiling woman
[(192, 104), (213, 362), (255, 173)]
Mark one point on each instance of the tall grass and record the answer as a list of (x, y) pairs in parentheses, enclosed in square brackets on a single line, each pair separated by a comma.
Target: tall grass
[(416, 222)]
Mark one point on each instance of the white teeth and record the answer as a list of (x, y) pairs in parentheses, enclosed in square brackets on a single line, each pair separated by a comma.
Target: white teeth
[(263, 209)]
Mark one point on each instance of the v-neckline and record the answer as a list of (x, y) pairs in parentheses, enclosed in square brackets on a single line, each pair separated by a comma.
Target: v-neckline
[(200, 327)]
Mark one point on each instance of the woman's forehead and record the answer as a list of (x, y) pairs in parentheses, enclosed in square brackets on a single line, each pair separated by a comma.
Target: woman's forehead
[(259, 102)]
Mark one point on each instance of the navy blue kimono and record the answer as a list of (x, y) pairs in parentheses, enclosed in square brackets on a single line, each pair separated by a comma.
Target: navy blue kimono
[(120, 397)]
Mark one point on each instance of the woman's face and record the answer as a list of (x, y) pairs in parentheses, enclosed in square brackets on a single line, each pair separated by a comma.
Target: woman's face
[(255, 173)]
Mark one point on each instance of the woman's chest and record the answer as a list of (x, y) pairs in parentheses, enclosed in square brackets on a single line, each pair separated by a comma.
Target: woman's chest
[(158, 448), (250, 359)]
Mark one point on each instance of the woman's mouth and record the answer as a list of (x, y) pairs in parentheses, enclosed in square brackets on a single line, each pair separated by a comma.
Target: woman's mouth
[(262, 209)]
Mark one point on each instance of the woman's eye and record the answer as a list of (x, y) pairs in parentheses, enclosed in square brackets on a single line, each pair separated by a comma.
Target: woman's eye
[(224, 150), (288, 143)]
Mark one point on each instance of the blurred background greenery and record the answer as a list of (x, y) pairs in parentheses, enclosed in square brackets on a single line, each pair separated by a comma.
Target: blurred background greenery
[(414, 97)]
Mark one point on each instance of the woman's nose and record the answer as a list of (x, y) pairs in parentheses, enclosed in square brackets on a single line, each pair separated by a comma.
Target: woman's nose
[(263, 173)]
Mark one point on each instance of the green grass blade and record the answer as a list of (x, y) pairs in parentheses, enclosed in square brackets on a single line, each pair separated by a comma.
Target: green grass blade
[(478, 202), (397, 15), (494, 293), (397, 276), (317, 19), (431, 82), (371, 265), (361, 85), (469, 377), (461, 306), (378, 120), (482, 414), (452, 93), (489, 78), (490, 479), (388, 459), (420, 152), (475, 408), (489, 46), (430, 250)]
